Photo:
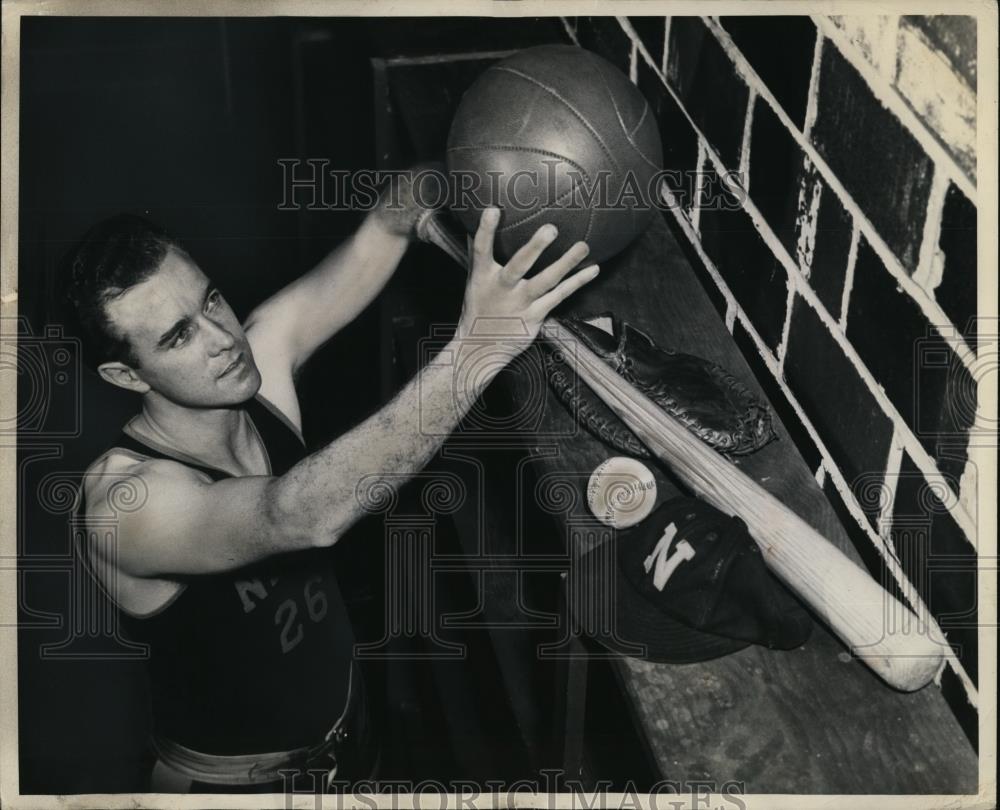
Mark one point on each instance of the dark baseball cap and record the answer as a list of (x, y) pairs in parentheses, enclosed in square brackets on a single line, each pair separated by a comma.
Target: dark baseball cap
[(687, 584)]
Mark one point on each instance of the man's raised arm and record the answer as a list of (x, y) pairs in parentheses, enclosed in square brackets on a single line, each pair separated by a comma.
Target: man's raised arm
[(293, 323)]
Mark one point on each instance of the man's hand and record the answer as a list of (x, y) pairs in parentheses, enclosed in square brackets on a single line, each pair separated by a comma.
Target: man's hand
[(501, 303), (409, 197)]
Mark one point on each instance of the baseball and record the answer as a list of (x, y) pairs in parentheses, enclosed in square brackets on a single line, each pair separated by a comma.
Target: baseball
[(621, 492)]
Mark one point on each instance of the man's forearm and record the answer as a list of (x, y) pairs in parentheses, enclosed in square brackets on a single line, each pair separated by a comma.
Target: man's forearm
[(364, 263), (317, 500), (351, 275)]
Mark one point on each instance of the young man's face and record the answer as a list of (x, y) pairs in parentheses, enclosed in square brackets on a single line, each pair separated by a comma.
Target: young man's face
[(190, 346)]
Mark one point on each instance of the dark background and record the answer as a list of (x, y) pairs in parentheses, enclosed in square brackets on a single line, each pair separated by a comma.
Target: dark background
[(184, 120)]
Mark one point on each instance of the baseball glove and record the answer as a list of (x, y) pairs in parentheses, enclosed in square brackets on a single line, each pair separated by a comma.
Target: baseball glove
[(705, 397)]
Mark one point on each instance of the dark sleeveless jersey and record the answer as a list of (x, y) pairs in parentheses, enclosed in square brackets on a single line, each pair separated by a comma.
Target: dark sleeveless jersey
[(255, 660)]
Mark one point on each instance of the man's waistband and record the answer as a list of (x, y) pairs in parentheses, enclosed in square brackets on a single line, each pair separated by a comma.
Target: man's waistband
[(242, 769), (345, 743)]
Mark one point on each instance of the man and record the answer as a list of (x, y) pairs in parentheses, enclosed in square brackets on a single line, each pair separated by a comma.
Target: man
[(221, 570)]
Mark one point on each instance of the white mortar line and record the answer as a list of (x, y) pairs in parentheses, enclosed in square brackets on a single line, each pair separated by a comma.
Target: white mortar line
[(928, 306), (959, 511), (836, 476), (660, 68), (891, 100), (692, 234), (820, 474), (852, 260), (888, 59), (913, 447), (968, 483), (745, 141), (666, 44), (570, 31), (633, 65), (786, 328), (812, 99), (808, 219), (893, 464), (730, 317), (699, 183), (930, 264)]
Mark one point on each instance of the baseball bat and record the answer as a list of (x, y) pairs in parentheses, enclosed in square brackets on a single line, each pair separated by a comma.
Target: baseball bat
[(904, 649)]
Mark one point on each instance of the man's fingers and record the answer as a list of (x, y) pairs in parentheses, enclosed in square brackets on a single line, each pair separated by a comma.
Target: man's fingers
[(482, 245), (521, 262), (555, 272), (565, 289)]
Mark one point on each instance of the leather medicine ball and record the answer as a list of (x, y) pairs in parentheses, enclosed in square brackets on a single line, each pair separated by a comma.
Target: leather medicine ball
[(555, 134)]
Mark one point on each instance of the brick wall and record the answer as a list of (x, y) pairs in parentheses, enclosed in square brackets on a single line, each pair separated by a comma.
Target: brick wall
[(845, 263)]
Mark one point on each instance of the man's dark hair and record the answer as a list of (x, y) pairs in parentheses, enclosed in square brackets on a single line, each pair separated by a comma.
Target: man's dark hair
[(114, 255)]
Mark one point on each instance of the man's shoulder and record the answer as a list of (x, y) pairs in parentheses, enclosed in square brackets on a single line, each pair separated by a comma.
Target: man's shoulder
[(123, 477), (117, 485)]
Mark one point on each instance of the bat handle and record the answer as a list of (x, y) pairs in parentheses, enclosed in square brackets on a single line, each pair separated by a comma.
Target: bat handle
[(430, 228)]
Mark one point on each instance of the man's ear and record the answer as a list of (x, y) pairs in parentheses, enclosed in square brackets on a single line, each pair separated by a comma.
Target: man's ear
[(123, 376)]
